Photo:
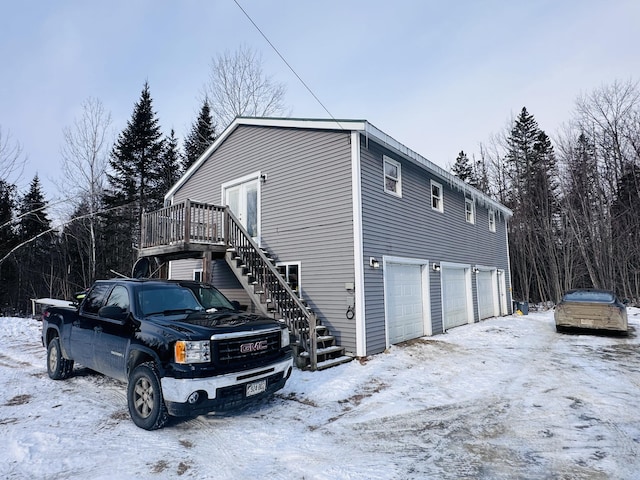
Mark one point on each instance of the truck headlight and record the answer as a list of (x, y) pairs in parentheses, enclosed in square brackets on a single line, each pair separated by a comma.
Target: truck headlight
[(284, 339), (192, 351)]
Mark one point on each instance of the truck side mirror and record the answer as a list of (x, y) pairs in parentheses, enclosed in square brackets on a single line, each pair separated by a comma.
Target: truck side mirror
[(236, 304)]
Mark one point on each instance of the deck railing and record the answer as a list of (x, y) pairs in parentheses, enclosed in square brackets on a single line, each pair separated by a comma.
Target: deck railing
[(184, 222)]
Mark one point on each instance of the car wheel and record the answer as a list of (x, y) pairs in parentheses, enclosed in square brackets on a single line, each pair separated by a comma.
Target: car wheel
[(144, 397), (58, 367)]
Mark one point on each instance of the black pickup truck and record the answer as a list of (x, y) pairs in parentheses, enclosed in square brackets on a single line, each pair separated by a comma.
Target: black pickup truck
[(182, 347)]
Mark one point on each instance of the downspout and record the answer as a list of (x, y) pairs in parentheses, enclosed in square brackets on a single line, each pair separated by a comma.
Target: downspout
[(358, 256)]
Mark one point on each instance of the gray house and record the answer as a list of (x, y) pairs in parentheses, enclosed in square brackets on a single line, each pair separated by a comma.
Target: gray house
[(382, 245)]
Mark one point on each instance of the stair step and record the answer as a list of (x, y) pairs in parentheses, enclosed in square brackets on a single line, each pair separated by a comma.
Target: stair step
[(324, 351), (325, 338), (333, 362)]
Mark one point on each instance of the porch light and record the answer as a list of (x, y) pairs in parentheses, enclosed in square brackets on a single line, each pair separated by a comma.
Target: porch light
[(373, 262), (436, 267), (476, 269)]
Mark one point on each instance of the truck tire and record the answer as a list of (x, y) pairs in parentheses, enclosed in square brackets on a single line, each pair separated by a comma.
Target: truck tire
[(58, 367), (144, 398)]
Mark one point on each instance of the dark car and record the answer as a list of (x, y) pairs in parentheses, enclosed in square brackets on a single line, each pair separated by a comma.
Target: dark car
[(591, 309)]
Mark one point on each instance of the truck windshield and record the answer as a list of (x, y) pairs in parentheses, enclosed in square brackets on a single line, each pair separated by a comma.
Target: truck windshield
[(167, 299), (210, 298)]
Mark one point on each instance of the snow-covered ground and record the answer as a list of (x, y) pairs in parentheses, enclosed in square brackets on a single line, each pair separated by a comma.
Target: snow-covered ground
[(501, 399)]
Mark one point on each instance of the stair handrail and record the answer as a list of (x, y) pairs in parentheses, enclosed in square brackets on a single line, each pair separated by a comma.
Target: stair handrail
[(308, 340)]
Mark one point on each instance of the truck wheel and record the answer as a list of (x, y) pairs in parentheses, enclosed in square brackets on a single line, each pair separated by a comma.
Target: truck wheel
[(144, 397), (58, 367)]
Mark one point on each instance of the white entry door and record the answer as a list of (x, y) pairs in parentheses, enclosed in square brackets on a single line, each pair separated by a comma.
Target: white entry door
[(244, 201)]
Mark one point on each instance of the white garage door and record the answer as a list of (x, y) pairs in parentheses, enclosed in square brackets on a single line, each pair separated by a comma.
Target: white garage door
[(403, 296), (486, 295), (454, 297)]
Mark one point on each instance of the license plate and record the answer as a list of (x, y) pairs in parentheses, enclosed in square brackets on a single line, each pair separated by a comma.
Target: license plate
[(586, 323), (256, 387)]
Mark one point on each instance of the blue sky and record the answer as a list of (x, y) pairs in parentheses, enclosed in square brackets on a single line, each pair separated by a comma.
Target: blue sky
[(437, 76)]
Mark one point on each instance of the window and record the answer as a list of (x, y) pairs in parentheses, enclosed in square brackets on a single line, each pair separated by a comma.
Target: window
[(436, 197), (492, 220), (469, 210), (119, 297), (392, 178), (197, 275), (291, 273), (95, 299)]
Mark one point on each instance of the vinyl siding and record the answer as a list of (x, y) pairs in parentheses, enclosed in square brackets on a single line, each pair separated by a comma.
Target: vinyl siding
[(409, 227), (305, 207)]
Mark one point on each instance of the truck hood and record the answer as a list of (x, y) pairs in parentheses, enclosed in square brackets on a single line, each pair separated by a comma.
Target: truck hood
[(203, 325)]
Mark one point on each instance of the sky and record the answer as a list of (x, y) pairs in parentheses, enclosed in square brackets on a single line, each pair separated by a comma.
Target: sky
[(437, 76), (501, 399)]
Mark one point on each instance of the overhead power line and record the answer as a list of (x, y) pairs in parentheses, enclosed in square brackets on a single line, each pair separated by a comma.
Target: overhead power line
[(287, 63)]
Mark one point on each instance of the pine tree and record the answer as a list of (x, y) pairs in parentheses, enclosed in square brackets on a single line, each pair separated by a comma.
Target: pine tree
[(133, 184), (8, 240), (34, 256), (201, 136), (169, 168), (462, 168)]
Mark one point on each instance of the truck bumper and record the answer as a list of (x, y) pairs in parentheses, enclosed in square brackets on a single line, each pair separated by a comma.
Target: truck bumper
[(223, 392)]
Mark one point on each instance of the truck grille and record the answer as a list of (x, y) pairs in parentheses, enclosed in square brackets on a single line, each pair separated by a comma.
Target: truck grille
[(235, 351)]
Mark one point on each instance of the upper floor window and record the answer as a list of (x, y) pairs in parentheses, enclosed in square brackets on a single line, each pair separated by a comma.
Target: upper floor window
[(392, 177), (436, 197), (492, 220), (469, 210)]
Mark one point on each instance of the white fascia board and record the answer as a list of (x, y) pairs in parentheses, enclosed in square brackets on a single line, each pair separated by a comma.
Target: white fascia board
[(358, 254)]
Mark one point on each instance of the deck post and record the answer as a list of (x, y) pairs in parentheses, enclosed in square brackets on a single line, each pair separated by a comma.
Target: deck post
[(187, 220)]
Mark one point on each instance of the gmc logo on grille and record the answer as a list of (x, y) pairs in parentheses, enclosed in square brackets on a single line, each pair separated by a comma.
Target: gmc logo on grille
[(254, 346)]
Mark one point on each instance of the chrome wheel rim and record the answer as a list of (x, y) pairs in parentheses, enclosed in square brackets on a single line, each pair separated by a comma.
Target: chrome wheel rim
[(143, 397)]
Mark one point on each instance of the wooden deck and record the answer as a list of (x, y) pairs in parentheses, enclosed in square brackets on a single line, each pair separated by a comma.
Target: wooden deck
[(185, 230)]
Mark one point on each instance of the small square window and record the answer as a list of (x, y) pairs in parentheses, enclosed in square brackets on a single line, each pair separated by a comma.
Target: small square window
[(392, 177), (469, 210), (492, 220), (436, 197), (197, 275)]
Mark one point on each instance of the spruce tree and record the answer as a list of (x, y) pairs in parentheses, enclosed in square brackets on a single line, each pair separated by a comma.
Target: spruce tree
[(202, 135), (462, 168), (36, 239), (169, 167), (133, 182), (8, 240)]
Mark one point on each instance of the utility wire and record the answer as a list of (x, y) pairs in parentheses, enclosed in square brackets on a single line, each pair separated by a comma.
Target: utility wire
[(287, 64)]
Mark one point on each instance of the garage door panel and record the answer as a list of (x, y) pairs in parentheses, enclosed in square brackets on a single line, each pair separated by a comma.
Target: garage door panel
[(454, 297), (404, 302), (486, 295)]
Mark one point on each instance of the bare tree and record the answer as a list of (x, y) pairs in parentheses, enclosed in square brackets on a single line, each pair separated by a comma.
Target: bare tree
[(85, 156), (11, 159), (238, 86)]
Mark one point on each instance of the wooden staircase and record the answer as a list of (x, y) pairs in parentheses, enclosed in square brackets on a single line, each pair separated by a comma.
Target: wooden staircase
[(314, 346), (196, 230)]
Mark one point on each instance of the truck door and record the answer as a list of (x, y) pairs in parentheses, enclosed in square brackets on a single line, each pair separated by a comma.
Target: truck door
[(83, 328), (112, 337)]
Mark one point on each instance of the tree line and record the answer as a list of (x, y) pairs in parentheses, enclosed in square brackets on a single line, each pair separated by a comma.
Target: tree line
[(575, 201), (109, 183)]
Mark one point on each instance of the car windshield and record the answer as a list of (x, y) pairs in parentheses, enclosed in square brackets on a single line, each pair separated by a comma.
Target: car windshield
[(210, 298), (589, 296), (167, 299)]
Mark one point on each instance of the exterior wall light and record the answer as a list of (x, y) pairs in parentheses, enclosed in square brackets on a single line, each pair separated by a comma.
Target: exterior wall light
[(373, 262), (476, 269), (436, 267)]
